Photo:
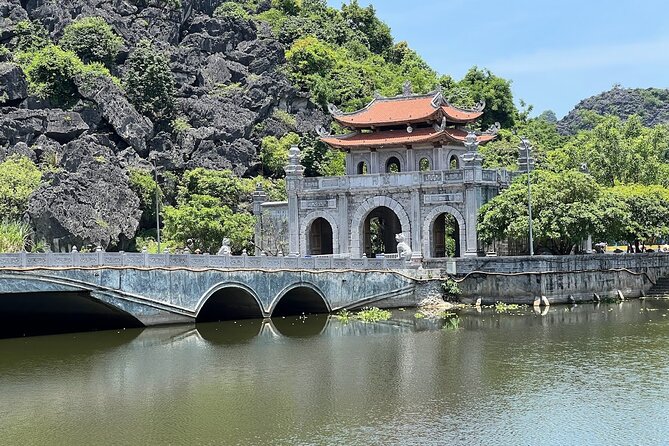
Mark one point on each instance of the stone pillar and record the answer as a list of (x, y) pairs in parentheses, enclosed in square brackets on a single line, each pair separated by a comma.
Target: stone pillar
[(259, 197), (416, 226), (437, 161), (473, 175), (411, 161), (294, 176), (342, 222), (374, 163)]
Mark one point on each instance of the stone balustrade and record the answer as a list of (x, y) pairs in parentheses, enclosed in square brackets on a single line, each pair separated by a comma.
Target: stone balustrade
[(402, 179), (195, 261)]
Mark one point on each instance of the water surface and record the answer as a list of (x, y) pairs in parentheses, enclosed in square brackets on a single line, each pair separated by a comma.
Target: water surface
[(583, 375)]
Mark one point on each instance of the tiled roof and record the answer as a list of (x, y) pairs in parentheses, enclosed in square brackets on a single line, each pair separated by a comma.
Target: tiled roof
[(394, 138), (406, 110)]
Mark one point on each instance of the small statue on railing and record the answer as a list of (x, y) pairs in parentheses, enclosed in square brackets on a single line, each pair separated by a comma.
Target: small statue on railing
[(225, 248), (403, 248)]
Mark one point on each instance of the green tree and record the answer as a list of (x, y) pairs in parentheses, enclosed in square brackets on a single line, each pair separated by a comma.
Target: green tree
[(19, 177), (565, 211), (274, 153), (149, 83), (635, 213), (205, 222), (145, 186), (378, 36), (483, 85), (617, 151), (93, 40)]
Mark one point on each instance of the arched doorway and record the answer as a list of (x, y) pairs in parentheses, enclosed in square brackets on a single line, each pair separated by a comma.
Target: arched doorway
[(445, 237), (454, 162), (320, 238), (230, 303), (300, 300), (380, 228), (362, 168), (393, 165)]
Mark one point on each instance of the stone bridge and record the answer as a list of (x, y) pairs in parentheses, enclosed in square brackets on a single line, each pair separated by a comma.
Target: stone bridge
[(47, 286)]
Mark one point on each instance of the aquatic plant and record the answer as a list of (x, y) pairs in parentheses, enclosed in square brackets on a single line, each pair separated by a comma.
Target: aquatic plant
[(373, 314), (344, 316), (419, 315), (502, 307), (451, 323)]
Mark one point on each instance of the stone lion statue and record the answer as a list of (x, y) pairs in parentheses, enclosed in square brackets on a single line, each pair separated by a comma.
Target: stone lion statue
[(403, 248), (225, 248)]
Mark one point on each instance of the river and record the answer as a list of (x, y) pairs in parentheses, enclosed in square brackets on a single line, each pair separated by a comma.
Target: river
[(590, 374)]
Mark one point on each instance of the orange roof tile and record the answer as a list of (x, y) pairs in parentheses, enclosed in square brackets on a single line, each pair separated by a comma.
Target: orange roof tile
[(394, 138), (405, 110)]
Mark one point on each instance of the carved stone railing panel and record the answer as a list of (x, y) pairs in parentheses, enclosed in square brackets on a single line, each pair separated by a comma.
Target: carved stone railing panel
[(157, 260), (88, 259), (35, 260), (178, 260), (198, 261), (132, 259), (111, 259), (11, 260)]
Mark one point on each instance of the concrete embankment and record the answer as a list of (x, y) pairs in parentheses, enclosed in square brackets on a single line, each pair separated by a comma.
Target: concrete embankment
[(563, 279)]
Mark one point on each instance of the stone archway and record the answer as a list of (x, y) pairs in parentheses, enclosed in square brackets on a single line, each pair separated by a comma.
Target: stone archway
[(305, 230), (428, 225), (361, 213)]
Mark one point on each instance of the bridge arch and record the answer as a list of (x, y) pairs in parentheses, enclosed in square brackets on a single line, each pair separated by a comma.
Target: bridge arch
[(229, 301), (52, 306), (299, 298)]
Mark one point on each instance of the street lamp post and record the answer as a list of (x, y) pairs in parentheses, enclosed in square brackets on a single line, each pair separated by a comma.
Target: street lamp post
[(155, 176), (527, 162)]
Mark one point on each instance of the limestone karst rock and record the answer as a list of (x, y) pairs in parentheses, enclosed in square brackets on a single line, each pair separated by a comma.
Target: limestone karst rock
[(88, 201)]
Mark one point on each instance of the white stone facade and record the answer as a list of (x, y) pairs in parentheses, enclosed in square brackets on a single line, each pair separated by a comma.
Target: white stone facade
[(414, 199)]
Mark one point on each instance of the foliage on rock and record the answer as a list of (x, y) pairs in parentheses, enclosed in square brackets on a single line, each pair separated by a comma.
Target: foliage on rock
[(93, 40), (19, 177), (149, 83)]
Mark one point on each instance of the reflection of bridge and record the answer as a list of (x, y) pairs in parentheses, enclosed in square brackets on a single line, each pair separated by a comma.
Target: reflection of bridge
[(103, 286)]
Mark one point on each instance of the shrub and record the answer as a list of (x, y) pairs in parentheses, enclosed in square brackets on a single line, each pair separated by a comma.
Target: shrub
[(19, 177), (93, 40), (149, 83), (232, 10), (51, 73), (30, 36)]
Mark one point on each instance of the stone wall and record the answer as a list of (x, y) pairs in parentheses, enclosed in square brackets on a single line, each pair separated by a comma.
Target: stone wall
[(561, 279)]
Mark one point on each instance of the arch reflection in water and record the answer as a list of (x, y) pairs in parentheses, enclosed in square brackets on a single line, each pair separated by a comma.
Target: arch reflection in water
[(231, 332), (229, 303), (42, 313), (300, 300), (301, 326)]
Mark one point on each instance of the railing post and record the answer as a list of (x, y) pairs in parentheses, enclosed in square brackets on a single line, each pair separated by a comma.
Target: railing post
[(24, 259)]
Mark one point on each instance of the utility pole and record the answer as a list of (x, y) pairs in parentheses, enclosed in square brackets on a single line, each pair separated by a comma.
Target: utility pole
[(526, 163), (155, 176)]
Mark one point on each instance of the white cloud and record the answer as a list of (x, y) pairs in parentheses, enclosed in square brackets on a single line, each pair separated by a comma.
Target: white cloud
[(573, 59)]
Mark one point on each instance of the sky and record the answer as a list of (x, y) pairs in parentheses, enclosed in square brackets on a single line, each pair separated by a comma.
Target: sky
[(556, 53)]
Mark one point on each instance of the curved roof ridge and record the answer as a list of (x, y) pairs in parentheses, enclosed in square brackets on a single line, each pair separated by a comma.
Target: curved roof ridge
[(336, 112)]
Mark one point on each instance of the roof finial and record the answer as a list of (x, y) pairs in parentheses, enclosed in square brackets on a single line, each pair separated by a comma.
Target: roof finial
[(334, 111), (407, 89)]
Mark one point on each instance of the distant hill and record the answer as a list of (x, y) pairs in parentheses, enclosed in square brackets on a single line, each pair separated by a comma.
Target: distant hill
[(652, 104)]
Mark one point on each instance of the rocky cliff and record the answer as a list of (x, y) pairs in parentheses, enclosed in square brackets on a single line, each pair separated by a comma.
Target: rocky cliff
[(651, 104), (230, 94)]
